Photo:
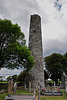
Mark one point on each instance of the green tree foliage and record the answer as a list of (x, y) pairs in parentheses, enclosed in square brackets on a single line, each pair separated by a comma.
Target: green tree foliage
[(64, 61), (19, 55), (22, 76), (14, 78), (13, 52), (46, 76), (53, 64), (9, 78), (1, 78)]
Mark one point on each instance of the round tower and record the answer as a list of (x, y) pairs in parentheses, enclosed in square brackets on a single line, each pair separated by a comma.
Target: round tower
[(35, 46)]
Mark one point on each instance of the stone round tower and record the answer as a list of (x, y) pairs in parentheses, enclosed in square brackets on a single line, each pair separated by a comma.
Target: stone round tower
[(35, 46)]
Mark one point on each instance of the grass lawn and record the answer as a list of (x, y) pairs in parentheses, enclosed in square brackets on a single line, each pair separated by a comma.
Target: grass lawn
[(25, 92), (2, 96), (53, 98), (3, 82)]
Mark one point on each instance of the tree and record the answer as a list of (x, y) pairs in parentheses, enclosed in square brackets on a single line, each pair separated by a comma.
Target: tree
[(1, 78), (14, 77), (65, 62), (13, 52), (53, 64), (19, 56), (46, 76), (9, 78), (22, 76)]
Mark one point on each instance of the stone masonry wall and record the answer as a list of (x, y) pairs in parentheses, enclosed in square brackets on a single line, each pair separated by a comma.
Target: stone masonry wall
[(35, 46)]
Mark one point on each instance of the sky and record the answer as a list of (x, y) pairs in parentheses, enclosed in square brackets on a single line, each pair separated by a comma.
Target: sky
[(53, 15)]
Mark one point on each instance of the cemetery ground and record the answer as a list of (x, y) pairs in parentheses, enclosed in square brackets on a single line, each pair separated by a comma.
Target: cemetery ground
[(26, 92), (22, 91)]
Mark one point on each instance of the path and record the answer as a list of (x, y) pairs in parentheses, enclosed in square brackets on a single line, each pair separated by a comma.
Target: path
[(19, 97)]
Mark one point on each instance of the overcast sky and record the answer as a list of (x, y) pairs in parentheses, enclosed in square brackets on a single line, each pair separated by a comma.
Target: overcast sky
[(53, 18)]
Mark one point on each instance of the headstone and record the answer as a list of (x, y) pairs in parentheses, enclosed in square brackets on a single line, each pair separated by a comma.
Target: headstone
[(9, 86), (63, 81), (29, 86), (66, 83), (2, 91), (35, 46), (15, 88), (54, 84), (25, 85), (65, 76), (39, 87), (34, 97), (66, 86), (39, 94)]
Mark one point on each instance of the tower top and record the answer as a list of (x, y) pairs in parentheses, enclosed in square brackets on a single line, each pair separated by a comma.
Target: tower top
[(35, 16)]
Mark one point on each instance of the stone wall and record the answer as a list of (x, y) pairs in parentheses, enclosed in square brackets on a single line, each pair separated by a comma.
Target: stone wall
[(3, 86)]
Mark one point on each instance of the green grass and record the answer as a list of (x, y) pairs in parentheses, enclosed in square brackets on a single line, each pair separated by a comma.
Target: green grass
[(25, 92), (62, 90), (21, 91), (2, 96), (53, 98), (3, 82)]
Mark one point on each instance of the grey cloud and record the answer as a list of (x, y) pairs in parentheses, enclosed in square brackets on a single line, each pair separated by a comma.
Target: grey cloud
[(54, 46), (5, 72), (19, 11)]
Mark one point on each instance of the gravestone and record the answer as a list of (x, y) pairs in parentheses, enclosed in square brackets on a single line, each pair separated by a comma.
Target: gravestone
[(9, 86), (29, 86), (15, 88), (64, 81), (54, 84), (35, 46), (34, 96), (66, 85), (25, 85)]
